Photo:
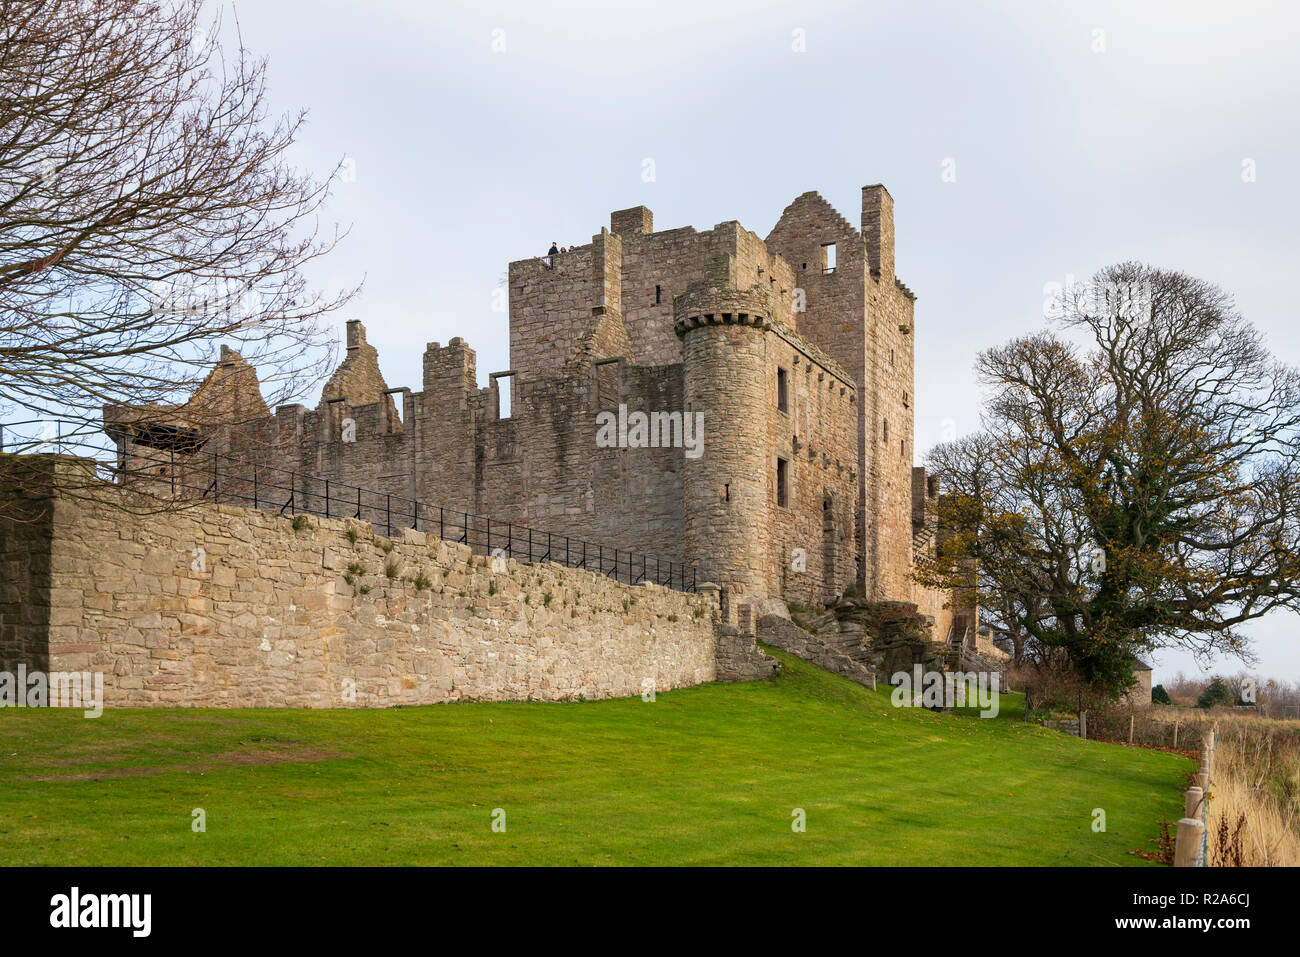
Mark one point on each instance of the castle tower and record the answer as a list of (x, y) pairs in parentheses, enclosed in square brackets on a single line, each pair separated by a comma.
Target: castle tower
[(725, 490)]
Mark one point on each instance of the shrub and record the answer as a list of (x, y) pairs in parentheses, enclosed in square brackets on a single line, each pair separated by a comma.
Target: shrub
[(1217, 694)]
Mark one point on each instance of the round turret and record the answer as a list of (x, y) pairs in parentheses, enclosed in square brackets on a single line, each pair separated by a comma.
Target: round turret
[(725, 489)]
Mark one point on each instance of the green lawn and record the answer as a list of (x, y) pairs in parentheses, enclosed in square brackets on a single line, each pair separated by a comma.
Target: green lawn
[(707, 775)]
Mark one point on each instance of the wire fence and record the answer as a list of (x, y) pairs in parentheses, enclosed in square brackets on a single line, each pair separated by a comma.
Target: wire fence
[(182, 469)]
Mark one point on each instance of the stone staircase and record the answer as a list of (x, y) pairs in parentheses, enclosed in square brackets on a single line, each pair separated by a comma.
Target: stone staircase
[(861, 640), (842, 652)]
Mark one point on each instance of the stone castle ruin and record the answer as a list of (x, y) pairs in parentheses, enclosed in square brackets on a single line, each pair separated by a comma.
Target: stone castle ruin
[(740, 408)]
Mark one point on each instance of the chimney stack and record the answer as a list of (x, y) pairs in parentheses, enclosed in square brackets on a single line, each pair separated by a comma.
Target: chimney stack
[(878, 229), (356, 335)]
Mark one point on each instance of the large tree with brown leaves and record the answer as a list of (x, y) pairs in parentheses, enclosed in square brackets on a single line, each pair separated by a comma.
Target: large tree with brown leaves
[(1136, 482)]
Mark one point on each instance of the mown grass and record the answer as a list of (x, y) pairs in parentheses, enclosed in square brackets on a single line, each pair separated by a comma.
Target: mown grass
[(707, 775)]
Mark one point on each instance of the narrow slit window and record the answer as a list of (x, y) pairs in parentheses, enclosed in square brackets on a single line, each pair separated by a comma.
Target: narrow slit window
[(659, 294), (782, 391), (782, 468)]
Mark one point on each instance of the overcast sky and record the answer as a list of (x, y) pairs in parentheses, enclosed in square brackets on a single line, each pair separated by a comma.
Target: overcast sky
[(1079, 135)]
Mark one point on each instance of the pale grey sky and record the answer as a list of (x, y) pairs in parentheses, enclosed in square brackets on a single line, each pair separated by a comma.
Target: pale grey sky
[(1080, 135)]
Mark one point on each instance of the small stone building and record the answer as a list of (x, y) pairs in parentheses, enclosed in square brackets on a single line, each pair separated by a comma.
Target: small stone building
[(1139, 696)]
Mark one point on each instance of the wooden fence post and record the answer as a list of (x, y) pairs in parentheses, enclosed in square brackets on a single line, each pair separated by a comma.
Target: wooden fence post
[(1175, 734), (1130, 729), (1187, 846), (1192, 799)]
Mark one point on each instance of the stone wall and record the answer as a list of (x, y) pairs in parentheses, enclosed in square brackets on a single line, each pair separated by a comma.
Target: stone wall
[(216, 605), (26, 520)]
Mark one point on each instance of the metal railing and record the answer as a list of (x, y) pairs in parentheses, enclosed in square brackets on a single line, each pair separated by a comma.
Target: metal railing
[(226, 479)]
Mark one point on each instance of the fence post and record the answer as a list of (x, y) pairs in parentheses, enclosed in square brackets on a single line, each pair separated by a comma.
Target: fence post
[(1187, 846), (1175, 734), (1203, 779), (1192, 799), (1130, 728)]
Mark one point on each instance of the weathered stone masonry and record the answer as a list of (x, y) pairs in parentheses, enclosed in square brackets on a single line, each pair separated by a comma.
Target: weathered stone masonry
[(218, 605), (797, 350), (824, 395)]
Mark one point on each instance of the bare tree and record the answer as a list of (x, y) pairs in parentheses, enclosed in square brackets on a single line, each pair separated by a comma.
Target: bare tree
[(1141, 494), (148, 215)]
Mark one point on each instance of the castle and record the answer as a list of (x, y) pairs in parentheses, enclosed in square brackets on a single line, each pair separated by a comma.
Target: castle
[(793, 354), (736, 406)]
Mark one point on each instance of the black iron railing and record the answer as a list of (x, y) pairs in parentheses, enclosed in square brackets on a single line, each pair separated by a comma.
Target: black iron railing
[(181, 470)]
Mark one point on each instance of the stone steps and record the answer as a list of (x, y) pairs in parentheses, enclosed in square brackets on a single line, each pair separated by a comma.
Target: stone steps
[(841, 653)]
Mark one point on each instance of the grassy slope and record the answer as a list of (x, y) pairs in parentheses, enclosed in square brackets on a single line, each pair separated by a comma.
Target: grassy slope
[(706, 775)]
